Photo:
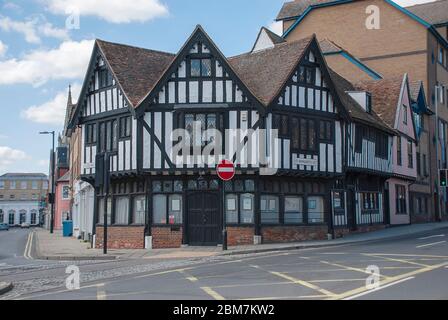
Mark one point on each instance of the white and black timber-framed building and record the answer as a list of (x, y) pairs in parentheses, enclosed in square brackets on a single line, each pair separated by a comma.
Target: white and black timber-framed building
[(133, 99)]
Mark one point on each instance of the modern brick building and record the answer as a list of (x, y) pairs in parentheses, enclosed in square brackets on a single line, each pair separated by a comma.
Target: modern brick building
[(409, 40)]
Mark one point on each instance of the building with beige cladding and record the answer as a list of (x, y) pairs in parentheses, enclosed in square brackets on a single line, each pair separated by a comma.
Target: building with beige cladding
[(22, 197), (391, 40)]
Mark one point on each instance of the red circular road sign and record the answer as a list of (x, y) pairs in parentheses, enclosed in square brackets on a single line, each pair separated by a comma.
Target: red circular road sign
[(225, 170)]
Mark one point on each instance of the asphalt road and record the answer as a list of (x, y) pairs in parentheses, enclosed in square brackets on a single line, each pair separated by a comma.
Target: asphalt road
[(12, 247), (412, 267)]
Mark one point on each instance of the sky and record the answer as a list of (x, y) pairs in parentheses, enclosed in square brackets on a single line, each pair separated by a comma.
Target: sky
[(45, 46)]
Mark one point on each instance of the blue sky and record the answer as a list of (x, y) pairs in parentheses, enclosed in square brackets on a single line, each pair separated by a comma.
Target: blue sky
[(40, 56)]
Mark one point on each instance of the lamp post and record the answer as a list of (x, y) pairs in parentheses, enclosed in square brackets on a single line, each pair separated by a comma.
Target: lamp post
[(53, 168), (437, 133)]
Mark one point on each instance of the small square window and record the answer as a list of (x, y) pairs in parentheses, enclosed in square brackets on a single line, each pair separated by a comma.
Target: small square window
[(156, 186)]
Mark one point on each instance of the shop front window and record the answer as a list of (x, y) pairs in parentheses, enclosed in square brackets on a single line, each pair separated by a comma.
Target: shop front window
[(269, 206), (293, 210)]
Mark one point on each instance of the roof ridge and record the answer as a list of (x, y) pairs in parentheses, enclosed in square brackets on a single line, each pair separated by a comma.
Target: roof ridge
[(286, 43), (134, 47)]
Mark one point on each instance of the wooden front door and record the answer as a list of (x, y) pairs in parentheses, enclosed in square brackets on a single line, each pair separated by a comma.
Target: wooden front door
[(204, 220)]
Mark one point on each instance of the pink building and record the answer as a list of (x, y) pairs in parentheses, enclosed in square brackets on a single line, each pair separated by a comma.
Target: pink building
[(62, 201), (393, 104)]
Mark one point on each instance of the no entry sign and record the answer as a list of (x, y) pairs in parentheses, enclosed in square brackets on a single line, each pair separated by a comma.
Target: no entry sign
[(225, 170)]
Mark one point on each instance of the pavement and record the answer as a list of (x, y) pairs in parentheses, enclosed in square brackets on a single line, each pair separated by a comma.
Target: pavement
[(55, 247)]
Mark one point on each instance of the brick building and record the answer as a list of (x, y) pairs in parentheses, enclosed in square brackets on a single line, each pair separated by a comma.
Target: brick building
[(409, 40)]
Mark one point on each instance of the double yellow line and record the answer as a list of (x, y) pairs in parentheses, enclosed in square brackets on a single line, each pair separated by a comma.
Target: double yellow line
[(28, 247)]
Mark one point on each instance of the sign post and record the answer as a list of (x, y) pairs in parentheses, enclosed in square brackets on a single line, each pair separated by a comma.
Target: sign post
[(226, 172)]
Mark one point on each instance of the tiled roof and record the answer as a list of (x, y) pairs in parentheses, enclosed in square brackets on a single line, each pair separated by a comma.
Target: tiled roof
[(136, 69), (265, 72), (414, 88), (328, 46), (275, 38), (342, 86), (433, 12), (297, 8), (385, 96)]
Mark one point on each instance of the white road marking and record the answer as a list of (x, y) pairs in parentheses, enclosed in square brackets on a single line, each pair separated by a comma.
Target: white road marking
[(378, 289), (430, 237), (430, 244)]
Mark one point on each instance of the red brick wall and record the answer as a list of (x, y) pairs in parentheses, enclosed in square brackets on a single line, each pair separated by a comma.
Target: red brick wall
[(365, 229), (283, 234), (121, 237), (238, 236), (166, 237)]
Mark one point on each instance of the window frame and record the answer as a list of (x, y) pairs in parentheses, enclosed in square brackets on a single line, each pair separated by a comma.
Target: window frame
[(167, 195), (410, 154)]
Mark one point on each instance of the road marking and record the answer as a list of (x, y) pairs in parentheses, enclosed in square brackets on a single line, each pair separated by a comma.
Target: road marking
[(378, 289), (29, 244), (336, 280), (399, 260), (101, 293), (391, 280), (283, 298), (406, 255), (430, 244), (430, 237), (215, 295), (333, 253), (301, 282), (350, 268), (162, 273), (189, 277)]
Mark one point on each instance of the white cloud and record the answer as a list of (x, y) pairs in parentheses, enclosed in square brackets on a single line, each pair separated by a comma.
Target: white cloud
[(12, 6), (68, 61), (3, 136), (51, 112), (115, 11), (32, 29), (9, 156), (3, 48), (276, 27)]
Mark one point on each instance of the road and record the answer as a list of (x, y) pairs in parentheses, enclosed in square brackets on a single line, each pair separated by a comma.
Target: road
[(412, 267)]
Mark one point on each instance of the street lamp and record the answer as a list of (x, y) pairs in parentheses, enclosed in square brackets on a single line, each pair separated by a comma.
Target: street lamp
[(437, 133), (53, 169)]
